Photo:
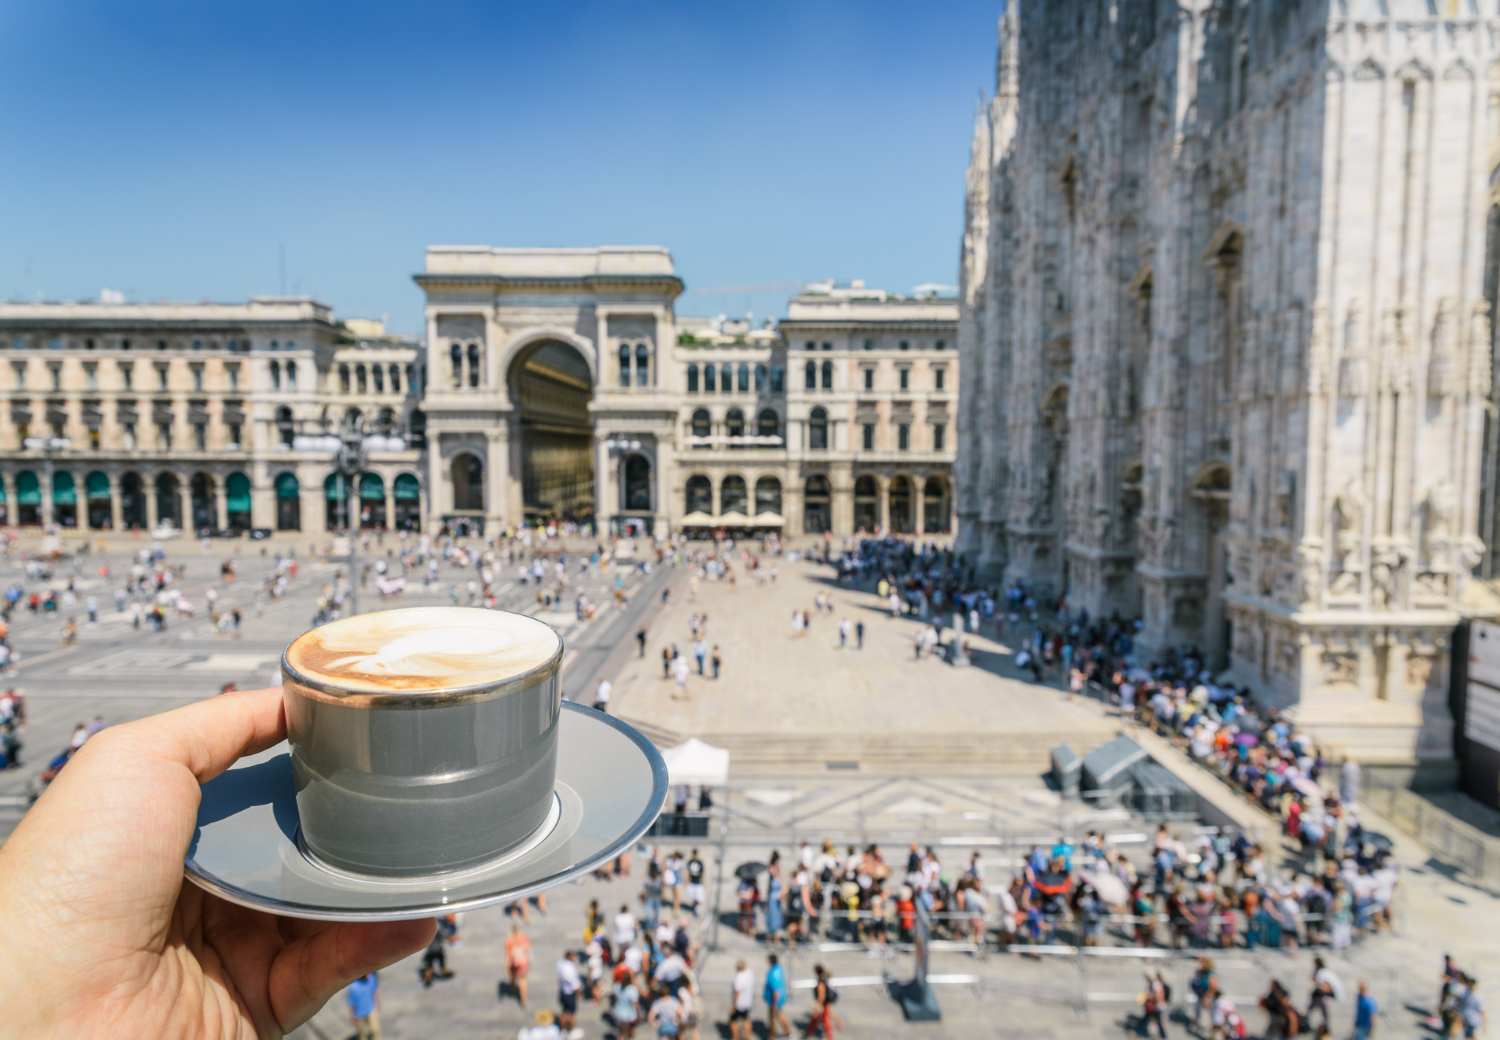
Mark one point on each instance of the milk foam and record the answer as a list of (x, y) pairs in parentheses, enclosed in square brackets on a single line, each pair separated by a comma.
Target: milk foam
[(423, 648)]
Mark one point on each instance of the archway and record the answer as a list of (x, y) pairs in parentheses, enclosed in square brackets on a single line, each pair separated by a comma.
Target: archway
[(288, 502), (551, 384), (467, 474), (635, 484), (336, 495), (768, 497), (237, 502), (64, 499), (408, 491), (96, 491), (700, 495), (899, 495), (371, 502), (935, 509), (205, 511), (734, 496), (817, 505), (866, 503), (132, 502), (168, 501), (28, 499)]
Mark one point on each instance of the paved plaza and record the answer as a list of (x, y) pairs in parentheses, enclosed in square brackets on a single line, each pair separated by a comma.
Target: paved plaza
[(818, 734)]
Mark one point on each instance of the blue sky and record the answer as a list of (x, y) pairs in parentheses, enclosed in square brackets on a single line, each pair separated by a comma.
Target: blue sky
[(176, 150)]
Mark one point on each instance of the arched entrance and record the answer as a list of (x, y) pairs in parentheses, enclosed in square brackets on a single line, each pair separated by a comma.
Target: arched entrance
[(467, 475), (866, 504), (205, 513), (168, 501), (132, 502), (372, 502), (935, 508), (408, 491), (64, 499), (550, 384), (635, 484), (817, 505), (288, 502), (237, 502), (900, 505), (96, 490), (336, 495), (28, 499)]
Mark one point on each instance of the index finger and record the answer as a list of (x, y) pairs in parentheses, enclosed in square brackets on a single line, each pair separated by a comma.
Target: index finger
[(210, 736)]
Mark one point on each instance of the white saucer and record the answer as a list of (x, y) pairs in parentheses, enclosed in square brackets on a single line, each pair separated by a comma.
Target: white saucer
[(611, 783)]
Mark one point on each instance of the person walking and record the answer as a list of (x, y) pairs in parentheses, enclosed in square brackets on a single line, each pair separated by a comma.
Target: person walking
[(569, 985), (774, 993), (859, 635), (435, 957), (518, 961), (700, 654), (362, 997), (1365, 1010), (640, 642), (601, 695), (1325, 987), (625, 1006), (1154, 1005), (680, 672), (741, 1002), (715, 661), (823, 1000)]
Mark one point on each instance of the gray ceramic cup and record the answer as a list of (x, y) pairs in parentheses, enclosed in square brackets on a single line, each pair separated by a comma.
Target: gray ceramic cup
[(413, 782)]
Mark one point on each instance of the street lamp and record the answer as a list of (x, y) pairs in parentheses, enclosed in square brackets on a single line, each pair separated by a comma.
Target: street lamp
[(350, 450), (50, 447)]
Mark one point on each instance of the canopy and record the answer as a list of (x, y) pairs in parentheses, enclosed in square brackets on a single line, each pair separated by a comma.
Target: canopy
[(28, 489), (287, 486), (96, 484), (407, 488), (237, 493), (769, 520), (697, 519), (336, 487), (735, 519), (64, 493), (695, 762), (371, 488)]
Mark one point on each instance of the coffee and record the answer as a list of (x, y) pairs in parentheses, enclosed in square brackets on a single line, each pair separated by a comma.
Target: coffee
[(424, 740), (422, 648)]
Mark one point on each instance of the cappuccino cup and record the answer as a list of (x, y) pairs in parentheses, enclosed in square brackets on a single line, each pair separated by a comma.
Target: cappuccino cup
[(423, 740)]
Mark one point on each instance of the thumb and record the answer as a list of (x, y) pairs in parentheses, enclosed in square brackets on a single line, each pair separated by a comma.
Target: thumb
[(313, 968)]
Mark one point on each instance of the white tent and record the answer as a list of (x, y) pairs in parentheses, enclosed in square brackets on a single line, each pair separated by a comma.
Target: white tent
[(694, 762)]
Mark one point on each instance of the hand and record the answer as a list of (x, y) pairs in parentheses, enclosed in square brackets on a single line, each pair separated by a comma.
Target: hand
[(102, 936)]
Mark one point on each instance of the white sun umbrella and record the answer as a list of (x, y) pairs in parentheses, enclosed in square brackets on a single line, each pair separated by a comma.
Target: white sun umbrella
[(1110, 888)]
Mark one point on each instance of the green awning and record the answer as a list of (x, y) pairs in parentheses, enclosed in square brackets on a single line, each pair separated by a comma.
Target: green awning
[(407, 488), (371, 488), (287, 486), (28, 489), (336, 487), (64, 492), (96, 484), (237, 493)]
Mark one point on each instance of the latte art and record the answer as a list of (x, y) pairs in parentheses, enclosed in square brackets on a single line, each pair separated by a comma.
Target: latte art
[(422, 648)]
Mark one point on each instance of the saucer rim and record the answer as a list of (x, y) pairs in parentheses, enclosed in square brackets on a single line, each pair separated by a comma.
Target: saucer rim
[(232, 893)]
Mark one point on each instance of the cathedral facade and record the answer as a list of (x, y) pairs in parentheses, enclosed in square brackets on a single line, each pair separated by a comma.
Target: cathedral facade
[(1226, 341)]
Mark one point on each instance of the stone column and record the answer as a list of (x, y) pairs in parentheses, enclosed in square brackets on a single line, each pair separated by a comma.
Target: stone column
[(883, 503), (792, 499), (390, 504), (8, 497), (185, 501), (497, 482), (221, 502), (604, 472), (312, 508), (116, 503), (439, 494), (918, 503), (149, 490)]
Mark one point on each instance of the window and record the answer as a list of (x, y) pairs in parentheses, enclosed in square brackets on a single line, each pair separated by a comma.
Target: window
[(700, 423), (939, 435), (55, 371), (903, 378), (91, 376), (127, 373), (456, 361), (904, 345), (361, 381), (377, 378), (869, 343), (811, 345), (828, 375), (827, 345), (161, 377), (291, 375), (55, 343), (291, 344), (200, 436), (867, 431), (710, 378), (164, 435), (768, 423), (284, 430), (124, 344), (869, 374), (88, 344), (778, 379), (197, 371), (395, 379), (760, 378), (726, 378), (197, 344), (903, 437), (743, 378), (161, 344), (473, 365), (939, 378), (642, 365), (128, 434), (940, 344), (234, 434), (19, 368), (233, 373), (734, 423), (692, 379), (275, 375), (275, 344), (817, 430), (810, 375), (624, 355), (344, 374)]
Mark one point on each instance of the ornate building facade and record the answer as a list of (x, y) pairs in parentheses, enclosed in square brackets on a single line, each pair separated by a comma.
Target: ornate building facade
[(552, 383), (1226, 340)]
